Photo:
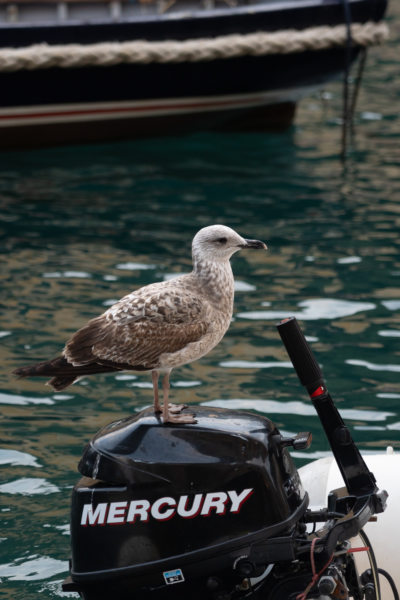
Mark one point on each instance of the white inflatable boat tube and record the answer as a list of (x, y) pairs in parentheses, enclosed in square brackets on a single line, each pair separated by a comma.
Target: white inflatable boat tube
[(322, 476)]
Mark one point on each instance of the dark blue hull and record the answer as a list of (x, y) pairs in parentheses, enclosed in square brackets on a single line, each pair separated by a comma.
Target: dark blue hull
[(68, 105)]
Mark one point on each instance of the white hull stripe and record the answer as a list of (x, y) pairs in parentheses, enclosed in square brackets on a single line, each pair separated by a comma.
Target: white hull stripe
[(98, 111)]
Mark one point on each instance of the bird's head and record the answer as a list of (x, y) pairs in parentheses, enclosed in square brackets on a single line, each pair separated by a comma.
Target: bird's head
[(218, 243)]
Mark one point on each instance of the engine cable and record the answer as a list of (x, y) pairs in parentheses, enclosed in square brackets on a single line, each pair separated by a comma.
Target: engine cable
[(316, 575), (372, 562), (391, 583)]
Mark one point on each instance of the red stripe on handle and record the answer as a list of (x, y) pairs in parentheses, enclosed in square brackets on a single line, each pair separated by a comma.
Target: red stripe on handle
[(318, 392)]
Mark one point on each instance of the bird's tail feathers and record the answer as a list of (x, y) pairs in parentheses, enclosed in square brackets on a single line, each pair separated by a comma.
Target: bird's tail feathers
[(55, 366), (60, 383), (62, 372)]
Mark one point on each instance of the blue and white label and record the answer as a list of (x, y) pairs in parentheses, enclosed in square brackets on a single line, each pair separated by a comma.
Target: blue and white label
[(175, 576)]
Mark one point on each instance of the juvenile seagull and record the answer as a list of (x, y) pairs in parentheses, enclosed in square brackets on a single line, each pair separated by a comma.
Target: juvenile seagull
[(159, 326)]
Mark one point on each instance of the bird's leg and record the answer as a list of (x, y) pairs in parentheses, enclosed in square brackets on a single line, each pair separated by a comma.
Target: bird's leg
[(165, 385), (155, 376), (173, 408), (170, 410)]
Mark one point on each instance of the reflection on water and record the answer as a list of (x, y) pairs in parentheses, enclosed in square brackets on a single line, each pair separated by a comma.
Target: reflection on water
[(37, 567), (318, 308), (81, 227), (15, 457), (28, 486), (297, 408)]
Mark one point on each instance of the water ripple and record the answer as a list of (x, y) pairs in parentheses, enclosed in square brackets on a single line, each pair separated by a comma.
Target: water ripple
[(33, 569), (28, 486), (186, 384), (15, 457), (391, 304), (389, 332), (248, 364), (6, 398), (295, 408), (349, 260), (134, 266), (372, 366), (67, 274), (312, 310)]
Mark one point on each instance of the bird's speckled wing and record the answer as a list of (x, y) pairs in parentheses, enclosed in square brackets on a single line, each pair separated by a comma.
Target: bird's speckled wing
[(135, 331)]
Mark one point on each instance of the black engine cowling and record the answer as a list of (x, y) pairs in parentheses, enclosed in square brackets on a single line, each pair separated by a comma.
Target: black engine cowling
[(161, 505)]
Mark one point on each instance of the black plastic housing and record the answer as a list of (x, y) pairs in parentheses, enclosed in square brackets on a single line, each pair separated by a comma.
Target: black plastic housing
[(303, 360), (229, 456), (357, 477)]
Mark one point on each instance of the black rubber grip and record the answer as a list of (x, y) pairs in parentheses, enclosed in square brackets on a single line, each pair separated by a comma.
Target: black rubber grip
[(304, 362)]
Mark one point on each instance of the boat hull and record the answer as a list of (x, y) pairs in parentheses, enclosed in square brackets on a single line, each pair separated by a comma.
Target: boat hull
[(90, 103), (276, 117)]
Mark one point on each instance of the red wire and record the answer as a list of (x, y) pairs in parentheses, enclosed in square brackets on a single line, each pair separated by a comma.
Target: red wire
[(316, 575)]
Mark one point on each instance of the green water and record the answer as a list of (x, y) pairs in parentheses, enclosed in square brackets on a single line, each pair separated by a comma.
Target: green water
[(81, 227)]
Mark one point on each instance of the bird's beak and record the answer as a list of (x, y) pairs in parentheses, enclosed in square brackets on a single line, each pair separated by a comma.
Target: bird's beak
[(254, 244)]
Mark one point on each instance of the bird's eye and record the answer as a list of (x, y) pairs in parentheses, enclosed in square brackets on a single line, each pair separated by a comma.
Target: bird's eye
[(221, 240)]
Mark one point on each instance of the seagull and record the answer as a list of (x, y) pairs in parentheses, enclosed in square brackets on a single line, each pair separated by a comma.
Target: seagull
[(158, 327)]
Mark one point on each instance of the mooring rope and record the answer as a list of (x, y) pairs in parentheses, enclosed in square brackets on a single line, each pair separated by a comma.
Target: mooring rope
[(105, 54)]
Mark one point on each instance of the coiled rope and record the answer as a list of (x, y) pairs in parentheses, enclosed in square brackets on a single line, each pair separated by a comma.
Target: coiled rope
[(105, 54)]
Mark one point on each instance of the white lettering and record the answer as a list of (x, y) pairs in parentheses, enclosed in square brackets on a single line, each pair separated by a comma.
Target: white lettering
[(160, 503), (117, 512), (186, 513), (94, 517), (138, 508), (238, 499), (186, 506), (215, 501)]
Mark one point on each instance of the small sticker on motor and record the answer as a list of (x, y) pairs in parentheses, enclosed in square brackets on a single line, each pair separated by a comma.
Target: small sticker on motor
[(175, 576)]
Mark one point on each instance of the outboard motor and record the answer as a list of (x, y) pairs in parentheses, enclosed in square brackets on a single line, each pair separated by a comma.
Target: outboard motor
[(217, 510)]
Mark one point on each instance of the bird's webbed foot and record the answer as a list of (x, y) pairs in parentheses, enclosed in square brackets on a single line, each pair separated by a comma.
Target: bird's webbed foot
[(176, 408), (180, 418)]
